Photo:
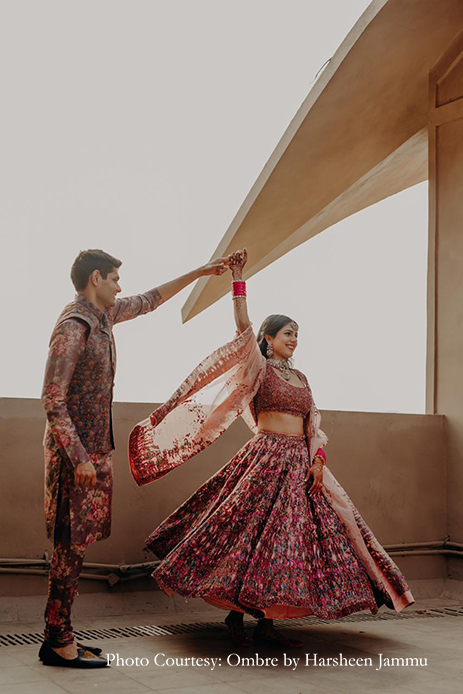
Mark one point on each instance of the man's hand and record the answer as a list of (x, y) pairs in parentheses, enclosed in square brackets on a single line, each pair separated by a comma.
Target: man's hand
[(85, 474), (215, 267)]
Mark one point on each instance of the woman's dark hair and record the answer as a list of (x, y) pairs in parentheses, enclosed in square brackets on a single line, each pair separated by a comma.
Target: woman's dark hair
[(272, 326), (88, 261)]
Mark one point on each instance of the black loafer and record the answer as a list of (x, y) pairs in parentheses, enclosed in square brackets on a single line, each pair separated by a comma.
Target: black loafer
[(92, 649), (84, 660)]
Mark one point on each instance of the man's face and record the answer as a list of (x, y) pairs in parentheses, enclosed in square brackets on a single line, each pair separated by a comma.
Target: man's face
[(108, 289)]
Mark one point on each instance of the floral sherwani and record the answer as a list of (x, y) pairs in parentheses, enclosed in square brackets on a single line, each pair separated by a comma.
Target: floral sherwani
[(77, 398)]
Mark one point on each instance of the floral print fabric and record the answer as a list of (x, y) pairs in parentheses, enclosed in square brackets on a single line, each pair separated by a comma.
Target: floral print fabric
[(89, 508), (252, 539), (79, 375), (67, 345), (62, 589), (63, 577), (77, 398)]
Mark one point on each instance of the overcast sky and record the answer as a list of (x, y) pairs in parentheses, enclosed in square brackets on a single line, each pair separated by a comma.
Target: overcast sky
[(139, 127)]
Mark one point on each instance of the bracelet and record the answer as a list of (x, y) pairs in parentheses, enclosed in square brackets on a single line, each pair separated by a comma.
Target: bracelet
[(318, 460), (321, 454), (239, 290)]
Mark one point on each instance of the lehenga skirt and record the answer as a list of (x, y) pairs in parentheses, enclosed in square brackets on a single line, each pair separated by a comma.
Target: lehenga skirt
[(252, 539)]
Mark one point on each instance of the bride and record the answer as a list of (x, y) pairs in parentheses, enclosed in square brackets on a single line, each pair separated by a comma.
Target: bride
[(272, 533)]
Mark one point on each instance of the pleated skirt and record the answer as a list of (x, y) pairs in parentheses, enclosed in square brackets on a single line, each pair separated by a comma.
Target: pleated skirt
[(252, 539)]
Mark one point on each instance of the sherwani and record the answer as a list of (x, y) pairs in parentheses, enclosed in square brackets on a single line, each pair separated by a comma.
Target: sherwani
[(77, 398)]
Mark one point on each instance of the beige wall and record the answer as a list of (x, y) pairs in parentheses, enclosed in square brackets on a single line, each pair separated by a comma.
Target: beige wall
[(386, 462), (445, 320)]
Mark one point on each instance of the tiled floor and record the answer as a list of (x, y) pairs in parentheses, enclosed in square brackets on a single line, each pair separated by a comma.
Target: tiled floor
[(437, 642)]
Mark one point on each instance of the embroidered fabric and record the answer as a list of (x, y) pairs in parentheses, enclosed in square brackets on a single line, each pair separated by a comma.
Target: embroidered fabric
[(219, 390), (277, 395), (201, 409), (251, 539)]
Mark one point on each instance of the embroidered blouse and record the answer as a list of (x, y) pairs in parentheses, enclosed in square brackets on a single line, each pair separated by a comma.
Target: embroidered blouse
[(277, 395)]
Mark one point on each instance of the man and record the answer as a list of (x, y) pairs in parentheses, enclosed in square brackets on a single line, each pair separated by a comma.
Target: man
[(77, 398)]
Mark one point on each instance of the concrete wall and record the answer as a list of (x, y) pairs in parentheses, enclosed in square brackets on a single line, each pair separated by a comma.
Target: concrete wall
[(445, 320), (386, 463)]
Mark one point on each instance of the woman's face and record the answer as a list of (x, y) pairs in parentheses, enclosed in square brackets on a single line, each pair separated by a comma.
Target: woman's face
[(285, 341)]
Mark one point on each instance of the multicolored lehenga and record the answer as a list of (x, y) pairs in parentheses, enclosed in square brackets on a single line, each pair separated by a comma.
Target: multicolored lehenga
[(251, 538)]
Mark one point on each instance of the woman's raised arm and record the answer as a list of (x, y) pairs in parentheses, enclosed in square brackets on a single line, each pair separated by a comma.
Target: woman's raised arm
[(236, 262)]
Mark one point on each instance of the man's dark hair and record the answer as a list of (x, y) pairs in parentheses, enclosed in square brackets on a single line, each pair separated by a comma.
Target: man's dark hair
[(88, 261)]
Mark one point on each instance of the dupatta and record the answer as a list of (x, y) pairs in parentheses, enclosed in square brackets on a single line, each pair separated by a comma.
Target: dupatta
[(219, 390)]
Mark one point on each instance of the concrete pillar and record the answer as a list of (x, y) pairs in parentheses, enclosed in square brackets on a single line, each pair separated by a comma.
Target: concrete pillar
[(445, 289)]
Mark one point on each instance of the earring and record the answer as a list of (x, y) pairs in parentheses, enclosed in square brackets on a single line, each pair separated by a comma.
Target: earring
[(269, 350)]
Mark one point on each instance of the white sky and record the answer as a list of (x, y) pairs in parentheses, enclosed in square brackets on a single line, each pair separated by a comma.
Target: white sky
[(139, 127)]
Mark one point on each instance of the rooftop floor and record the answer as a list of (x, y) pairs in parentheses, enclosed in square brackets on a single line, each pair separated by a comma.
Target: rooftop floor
[(430, 630)]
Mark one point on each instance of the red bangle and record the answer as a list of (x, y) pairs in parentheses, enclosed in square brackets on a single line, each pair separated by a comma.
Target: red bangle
[(321, 454), (239, 289)]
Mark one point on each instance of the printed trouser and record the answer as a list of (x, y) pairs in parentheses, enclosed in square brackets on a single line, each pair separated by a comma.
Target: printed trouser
[(64, 575)]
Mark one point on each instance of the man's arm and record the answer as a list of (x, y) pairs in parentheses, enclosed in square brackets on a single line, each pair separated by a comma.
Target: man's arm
[(66, 346), (214, 267), (139, 304)]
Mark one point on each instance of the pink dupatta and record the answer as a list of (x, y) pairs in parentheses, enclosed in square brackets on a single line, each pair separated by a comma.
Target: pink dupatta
[(218, 391)]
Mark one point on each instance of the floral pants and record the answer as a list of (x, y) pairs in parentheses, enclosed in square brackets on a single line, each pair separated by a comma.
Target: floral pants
[(63, 577)]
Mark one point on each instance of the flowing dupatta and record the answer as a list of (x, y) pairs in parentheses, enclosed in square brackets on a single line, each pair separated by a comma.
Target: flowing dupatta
[(218, 391)]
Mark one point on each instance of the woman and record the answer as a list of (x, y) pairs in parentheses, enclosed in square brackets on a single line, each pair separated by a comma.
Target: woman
[(272, 533)]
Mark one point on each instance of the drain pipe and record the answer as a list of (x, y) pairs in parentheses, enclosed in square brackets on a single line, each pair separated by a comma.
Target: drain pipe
[(44, 572), (122, 573), (88, 565), (113, 573), (417, 553), (437, 543)]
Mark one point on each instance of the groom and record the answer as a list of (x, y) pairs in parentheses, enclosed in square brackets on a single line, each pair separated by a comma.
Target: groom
[(77, 398)]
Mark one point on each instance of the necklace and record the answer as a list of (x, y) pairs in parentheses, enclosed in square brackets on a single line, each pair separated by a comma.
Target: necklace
[(284, 366)]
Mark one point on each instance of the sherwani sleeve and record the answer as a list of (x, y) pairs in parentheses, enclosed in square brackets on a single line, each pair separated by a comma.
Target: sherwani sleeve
[(66, 346), (134, 306)]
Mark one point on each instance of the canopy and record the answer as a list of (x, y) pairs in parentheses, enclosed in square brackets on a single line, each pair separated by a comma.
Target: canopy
[(360, 136)]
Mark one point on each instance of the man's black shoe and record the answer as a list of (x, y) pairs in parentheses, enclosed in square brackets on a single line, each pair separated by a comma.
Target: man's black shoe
[(84, 659), (92, 649)]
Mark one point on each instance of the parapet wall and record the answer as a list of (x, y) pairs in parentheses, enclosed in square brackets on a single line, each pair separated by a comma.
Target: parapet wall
[(386, 463)]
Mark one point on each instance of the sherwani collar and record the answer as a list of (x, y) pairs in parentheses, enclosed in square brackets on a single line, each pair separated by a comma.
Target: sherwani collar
[(91, 307)]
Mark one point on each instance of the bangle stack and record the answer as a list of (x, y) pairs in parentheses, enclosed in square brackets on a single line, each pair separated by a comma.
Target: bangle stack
[(239, 290), (319, 458)]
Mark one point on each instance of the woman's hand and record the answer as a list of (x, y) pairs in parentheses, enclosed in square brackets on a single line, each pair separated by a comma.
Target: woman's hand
[(236, 262), (316, 472)]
